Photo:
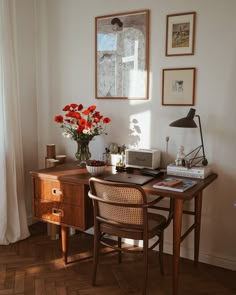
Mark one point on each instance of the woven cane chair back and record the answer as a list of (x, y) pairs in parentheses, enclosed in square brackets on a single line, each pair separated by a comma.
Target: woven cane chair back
[(123, 198)]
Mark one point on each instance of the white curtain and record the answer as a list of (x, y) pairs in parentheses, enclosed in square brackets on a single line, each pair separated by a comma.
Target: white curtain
[(13, 221)]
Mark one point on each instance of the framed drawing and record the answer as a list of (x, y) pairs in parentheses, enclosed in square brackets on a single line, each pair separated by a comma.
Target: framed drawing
[(178, 86), (180, 34), (122, 55)]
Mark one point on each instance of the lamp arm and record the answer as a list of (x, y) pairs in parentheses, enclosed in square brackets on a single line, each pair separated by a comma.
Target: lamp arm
[(200, 127)]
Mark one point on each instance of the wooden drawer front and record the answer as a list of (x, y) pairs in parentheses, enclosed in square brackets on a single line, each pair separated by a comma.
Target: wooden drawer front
[(48, 189), (59, 213), (73, 194), (54, 190)]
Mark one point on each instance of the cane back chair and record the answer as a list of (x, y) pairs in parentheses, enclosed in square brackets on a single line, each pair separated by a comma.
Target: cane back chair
[(121, 210)]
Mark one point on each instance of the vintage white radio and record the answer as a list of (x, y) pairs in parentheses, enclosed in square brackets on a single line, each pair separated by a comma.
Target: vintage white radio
[(142, 158)]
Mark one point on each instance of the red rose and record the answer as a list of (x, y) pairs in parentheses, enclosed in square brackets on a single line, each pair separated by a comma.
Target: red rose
[(68, 114), (96, 120), (86, 112), (73, 115), (106, 120), (78, 116), (66, 108), (89, 124), (98, 115), (74, 105), (92, 108), (82, 122), (59, 119), (80, 129), (80, 107)]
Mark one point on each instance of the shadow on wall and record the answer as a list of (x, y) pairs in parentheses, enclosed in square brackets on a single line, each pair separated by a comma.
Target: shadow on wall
[(134, 133)]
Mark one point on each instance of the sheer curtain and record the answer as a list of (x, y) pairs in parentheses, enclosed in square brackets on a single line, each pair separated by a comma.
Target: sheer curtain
[(13, 221)]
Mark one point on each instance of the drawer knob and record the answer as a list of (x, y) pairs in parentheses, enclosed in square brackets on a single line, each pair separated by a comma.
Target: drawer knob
[(56, 191), (57, 212)]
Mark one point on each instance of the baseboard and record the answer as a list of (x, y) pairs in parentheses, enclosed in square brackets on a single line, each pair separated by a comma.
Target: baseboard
[(31, 220), (223, 262)]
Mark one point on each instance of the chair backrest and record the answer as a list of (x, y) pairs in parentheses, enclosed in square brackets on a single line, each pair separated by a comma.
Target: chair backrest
[(118, 202)]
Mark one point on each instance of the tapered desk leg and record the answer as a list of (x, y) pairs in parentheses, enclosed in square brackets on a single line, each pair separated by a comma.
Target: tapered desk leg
[(198, 213), (64, 233), (177, 223)]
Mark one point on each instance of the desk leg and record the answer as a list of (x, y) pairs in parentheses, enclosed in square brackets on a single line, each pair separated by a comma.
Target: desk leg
[(64, 242), (177, 224), (198, 213)]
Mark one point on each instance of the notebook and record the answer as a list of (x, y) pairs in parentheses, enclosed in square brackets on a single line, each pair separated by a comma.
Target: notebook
[(129, 178)]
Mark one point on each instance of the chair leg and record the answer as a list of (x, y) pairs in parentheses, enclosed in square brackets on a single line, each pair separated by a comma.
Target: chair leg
[(95, 253), (145, 273), (161, 237), (119, 252)]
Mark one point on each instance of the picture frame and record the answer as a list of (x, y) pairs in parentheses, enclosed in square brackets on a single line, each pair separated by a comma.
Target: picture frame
[(178, 86), (180, 33), (122, 55)]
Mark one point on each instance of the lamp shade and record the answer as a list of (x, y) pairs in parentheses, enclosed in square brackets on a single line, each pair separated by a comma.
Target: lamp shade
[(186, 122)]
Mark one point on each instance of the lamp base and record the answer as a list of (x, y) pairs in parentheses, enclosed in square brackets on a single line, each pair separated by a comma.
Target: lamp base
[(205, 162), (193, 161)]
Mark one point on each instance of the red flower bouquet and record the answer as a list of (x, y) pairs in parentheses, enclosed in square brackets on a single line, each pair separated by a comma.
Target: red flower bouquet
[(81, 123)]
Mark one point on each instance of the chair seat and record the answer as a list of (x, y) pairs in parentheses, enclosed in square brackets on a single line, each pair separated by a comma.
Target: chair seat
[(155, 222)]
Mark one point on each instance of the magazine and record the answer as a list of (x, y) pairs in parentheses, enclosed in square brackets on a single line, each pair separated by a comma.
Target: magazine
[(175, 184)]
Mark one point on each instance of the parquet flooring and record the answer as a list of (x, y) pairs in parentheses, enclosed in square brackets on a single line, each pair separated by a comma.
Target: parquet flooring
[(34, 267)]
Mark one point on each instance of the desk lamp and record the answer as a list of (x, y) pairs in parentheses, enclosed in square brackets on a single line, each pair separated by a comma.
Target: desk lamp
[(192, 158)]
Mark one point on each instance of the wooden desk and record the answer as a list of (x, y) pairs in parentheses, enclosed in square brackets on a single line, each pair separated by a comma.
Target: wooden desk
[(60, 197)]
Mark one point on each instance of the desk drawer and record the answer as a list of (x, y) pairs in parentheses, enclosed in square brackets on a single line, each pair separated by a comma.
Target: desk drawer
[(58, 192), (60, 213)]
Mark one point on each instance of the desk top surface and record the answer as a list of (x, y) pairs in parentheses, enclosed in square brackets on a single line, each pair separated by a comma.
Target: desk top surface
[(72, 173)]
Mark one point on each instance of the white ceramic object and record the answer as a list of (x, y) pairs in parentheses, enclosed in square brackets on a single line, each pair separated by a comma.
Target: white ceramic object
[(95, 170)]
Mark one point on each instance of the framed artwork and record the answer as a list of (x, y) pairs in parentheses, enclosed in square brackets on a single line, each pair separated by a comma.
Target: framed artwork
[(122, 55), (178, 86), (180, 33)]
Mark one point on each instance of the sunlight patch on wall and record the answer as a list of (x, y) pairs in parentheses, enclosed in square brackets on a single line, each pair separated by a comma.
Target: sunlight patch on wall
[(140, 128)]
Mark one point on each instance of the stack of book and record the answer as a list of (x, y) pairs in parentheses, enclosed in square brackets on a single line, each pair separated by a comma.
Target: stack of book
[(194, 172)]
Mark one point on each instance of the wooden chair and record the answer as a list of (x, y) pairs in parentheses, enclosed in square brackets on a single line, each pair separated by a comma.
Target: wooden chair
[(121, 210)]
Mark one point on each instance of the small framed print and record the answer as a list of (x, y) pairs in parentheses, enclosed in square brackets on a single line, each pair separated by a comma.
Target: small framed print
[(178, 86), (180, 33)]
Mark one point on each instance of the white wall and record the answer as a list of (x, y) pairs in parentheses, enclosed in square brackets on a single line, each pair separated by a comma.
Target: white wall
[(65, 73)]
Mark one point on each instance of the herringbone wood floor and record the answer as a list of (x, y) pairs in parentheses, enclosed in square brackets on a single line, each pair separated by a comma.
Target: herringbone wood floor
[(34, 266)]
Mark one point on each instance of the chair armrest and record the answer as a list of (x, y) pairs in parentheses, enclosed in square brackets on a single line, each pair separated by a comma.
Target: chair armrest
[(152, 200)]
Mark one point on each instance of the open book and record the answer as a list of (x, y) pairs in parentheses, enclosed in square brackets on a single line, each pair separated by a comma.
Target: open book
[(175, 184)]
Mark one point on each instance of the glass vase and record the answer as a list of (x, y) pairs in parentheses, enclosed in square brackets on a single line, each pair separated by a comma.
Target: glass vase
[(83, 154)]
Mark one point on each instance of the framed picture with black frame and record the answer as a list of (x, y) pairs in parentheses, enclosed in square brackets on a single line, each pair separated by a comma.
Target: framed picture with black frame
[(178, 86), (180, 33)]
